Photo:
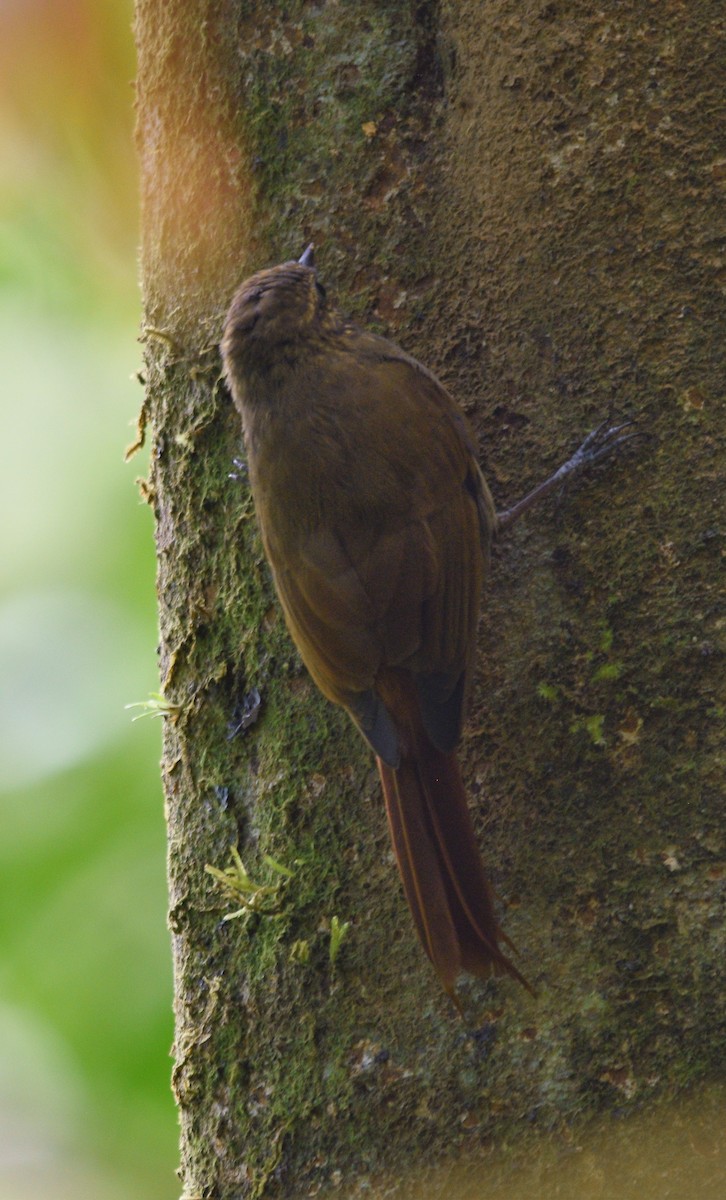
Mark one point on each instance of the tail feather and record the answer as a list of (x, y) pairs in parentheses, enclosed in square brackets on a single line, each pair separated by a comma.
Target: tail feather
[(442, 873), (419, 865)]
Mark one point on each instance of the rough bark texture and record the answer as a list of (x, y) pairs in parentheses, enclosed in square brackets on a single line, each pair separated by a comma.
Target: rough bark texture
[(528, 196)]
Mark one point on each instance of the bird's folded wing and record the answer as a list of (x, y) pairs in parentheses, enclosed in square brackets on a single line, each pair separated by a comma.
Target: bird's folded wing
[(407, 598)]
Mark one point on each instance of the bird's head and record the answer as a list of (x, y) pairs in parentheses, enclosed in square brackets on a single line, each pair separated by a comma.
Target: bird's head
[(271, 311)]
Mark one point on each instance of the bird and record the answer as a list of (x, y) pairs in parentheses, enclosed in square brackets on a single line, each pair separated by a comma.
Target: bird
[(377, 523)]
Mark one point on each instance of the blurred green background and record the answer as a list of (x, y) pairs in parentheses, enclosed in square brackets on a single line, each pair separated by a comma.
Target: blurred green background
[(85, 972)]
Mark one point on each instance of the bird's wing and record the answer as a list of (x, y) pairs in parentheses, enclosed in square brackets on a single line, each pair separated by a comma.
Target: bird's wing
[(397, 585)]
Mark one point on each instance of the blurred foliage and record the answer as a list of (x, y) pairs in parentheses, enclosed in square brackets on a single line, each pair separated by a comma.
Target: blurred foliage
[(85, 970)]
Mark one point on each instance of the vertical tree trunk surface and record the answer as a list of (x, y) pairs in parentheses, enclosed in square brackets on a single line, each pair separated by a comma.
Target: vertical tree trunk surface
[(529, 198)]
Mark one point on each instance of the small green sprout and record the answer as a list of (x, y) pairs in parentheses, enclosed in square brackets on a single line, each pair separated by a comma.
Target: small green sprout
[(262, 898), (338, 933), (300, 951), (156, 706), (277, 866)]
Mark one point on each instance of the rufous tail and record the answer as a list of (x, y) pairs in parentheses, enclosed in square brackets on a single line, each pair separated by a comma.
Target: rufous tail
[(442, 872)]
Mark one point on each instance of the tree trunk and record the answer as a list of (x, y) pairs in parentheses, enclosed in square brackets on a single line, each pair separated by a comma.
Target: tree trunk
[(527, 197)]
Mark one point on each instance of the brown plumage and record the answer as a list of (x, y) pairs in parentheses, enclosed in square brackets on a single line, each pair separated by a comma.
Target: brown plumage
[(376, 521)]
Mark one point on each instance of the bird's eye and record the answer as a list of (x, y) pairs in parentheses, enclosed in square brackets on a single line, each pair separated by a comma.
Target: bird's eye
[(320, 290)]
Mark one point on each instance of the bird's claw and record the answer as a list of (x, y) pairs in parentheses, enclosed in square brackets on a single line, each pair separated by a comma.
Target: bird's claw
[(601, 441), (240, 471)]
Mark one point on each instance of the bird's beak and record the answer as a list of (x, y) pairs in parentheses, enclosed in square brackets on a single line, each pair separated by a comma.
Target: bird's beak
[(307, 258)]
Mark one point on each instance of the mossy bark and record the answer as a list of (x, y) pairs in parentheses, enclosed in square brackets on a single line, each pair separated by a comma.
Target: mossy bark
[(527, 196)]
